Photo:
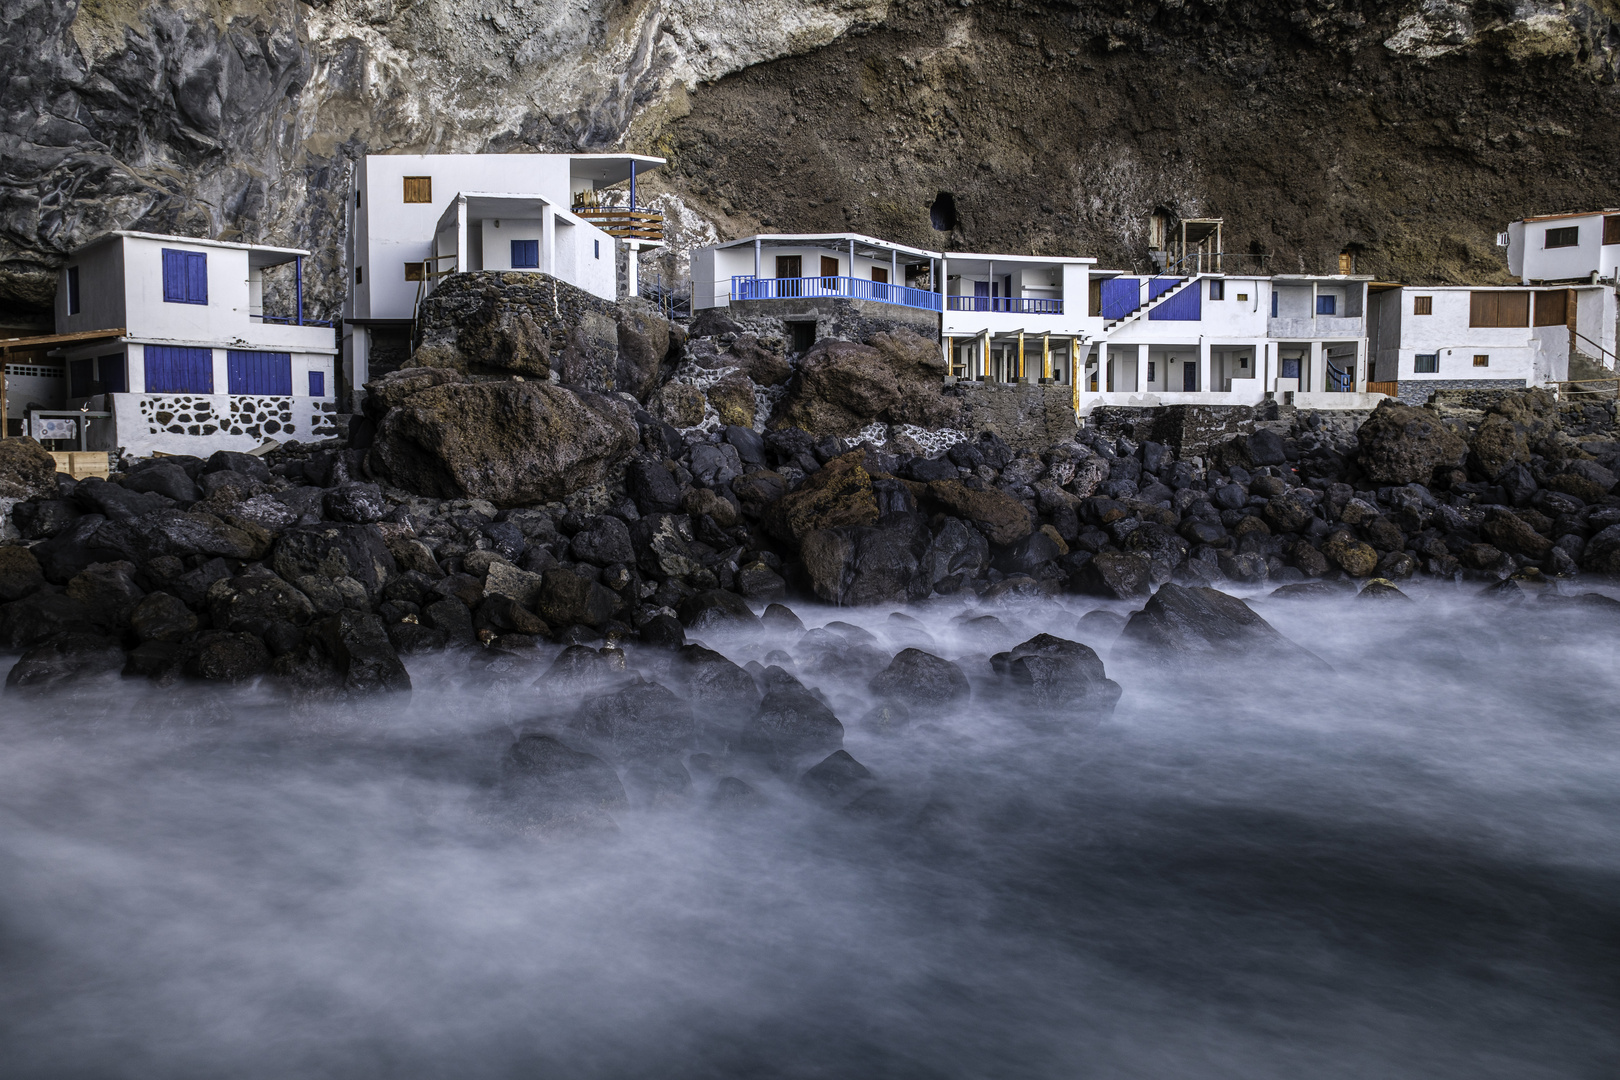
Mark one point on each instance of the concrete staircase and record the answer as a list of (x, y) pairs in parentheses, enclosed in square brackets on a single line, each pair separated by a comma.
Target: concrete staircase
[(1589, 377)]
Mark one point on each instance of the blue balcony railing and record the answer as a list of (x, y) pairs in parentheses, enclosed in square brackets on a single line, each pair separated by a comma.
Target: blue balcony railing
[(803, 288), (293, 320), (1016, 304)]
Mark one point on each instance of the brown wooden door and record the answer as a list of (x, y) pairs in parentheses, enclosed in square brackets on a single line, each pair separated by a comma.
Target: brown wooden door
[(829, 266), (789, 266), (880, 274)]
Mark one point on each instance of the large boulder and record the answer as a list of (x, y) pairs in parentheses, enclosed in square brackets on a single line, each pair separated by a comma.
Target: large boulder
[(27, 470), (1003, 519), (790, 724), (64, 659), (641, 719), (513, 443), (921, 680), (856, 566), (550, 787), (1403, 445), (1200, 622), (364, 657), (843, 386), (336, 551), (644, 339), (838, 494), (1057, 679), (20, 573)]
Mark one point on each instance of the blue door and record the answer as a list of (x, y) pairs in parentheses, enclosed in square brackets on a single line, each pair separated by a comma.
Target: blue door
[(981, 296), (1189, 378), (259, 372), (179, 369)]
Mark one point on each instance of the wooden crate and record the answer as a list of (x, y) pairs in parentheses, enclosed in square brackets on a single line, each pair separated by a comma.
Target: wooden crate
[(81, 463)]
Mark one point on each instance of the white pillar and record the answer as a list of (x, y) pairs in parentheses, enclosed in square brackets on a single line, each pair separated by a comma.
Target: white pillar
[(1102, 367), (361, 372), (548, 241), (756, 258), (894, 268), (633, 268), (1204, 384), (1141, 368), (461, 235), (1318, 372), (1361, 365)]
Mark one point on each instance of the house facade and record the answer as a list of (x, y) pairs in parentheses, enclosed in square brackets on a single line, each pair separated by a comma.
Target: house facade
[(416, 218), (1565, 248), (197, 363)]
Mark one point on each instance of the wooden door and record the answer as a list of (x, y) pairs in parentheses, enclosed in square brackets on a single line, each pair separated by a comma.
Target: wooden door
[(829, 266), (880, 274)]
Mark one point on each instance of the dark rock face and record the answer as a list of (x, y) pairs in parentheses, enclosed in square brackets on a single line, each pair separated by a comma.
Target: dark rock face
[(1117, 575), (791, 723), (1200, 621), (27, 470), (868, 565), (224, 656), (838, 494), (1058, 678), (1403, 445), (362, 654), (64, 659), (837, 776), (844, 386), (509, 442), (716, 609), (20, 573), (357, 552), (1003, 519), (641, 719), (922, 680)]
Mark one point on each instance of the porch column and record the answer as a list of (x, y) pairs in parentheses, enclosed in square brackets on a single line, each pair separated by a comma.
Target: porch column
[(894, 268), (1318, 366), (1204, 384), (1020, 376), (852, 267), (756, 260), (632, 268), (984, 353), (950, 356), (1141, 368), (548, 242), (1102, 366), (1046, 356), (461, 236), (1361, 366)]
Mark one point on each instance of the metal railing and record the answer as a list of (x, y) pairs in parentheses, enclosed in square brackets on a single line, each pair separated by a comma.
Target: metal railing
[(673, 305), (753, 288), (625, 223), (1014, 304), (292, 320)]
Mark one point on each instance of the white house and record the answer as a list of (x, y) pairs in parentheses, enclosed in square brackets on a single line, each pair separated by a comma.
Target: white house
[(1565, 248), (1433, 337), (416, 218), (194, 363)]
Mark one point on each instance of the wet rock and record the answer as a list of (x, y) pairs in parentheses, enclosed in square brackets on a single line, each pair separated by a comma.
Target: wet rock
[(716, 609), (1057, 678), (566, 598), (1115, 574), (519, 586), (1382, 589), (20, 573), (843, 386), (45, 518), (663, 548), (1350, 555), (336, 550), (451, 617), (718, 689), (30, 621), (1602, 553), (116, 502), (254, 601), (791, 723), (364, 657), (731, 793), (550, 787), (227, 656), (577, 670), (1509, 532), (604, 542), (1101, 625), (758, 583), (922, 680), (663, 632), (505, 614), (66, 658), (781, 620), (859, 566), (1402, 445), (1194, 622), (958, 553), (234, 461), (360, 504), (638, 720), (836, 777)]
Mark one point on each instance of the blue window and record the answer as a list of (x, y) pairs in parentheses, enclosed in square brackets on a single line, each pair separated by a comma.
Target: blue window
[(525, 254), (317, 384), (1327, 305), (114, 379), (81, 373), (73, 290), (1290, 367), (259, 372), (1273, 303), (179, 369), (185, 277), (1217, 289)]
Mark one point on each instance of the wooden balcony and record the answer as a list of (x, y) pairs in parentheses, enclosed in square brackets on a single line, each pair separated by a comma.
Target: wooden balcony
[(624, 223)]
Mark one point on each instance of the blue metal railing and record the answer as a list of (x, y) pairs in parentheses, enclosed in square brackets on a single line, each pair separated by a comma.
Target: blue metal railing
[(1015, 304), (753, 288), (1342, 381), (293, 320)]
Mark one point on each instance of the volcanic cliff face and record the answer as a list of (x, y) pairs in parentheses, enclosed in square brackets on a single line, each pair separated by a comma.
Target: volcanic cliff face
[(1408, 134)]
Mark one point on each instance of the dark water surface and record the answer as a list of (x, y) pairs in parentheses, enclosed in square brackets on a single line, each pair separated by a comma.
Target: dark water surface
[(1397, 855)]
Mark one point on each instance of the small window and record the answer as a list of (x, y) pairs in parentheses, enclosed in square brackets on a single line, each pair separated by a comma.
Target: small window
[(415, 271), (359, 275), (525, 254), (1347, 262), (1217, 289), (1151, 366), (357, 198), (114, 379), (1611, 229), (1568, 236), (597, 247), (1273, 303), (1426, 363), (185, 277), (1243, 362), (1552, 308), (73, 290), (1327, 305), (81, 378), (317, 384), (419, 189), (1423, 305), (1289, 367), (1481, 360), (1242, 296)]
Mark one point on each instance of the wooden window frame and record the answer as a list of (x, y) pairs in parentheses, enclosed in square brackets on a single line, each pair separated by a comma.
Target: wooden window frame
[(1482, 359), (1571, 233), (1217, 289), (1611, 229), (1551, 308), (418, 189), (1505, 308), (1423, 305), (826, 261), (416, 271)]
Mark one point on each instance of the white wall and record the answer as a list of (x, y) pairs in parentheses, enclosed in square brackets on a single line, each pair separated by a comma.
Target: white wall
[(102, 303), (497, 240), (1512, 350), (1540, 263)]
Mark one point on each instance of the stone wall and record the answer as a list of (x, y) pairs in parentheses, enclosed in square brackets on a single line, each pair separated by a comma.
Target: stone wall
[(1456, 391), (835, 317), (1026, 416)]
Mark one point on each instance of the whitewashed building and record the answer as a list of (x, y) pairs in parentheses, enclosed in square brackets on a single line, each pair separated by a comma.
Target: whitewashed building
[(185, 357), (1561, 248), (417, 218)]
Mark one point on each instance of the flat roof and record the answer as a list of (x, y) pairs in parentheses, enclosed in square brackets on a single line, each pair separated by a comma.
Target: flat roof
[(1581, 213), (840, 239), (609, 168), (989, 256), (258, 254)]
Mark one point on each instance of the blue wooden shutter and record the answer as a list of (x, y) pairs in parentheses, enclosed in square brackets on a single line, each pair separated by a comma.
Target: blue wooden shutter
[(1120, 297), (317, 384), (1274, 303), (259, 372), (1325, 305), (176, 369), (526, 254), (196, 277), (1185, 306), (174, 276)]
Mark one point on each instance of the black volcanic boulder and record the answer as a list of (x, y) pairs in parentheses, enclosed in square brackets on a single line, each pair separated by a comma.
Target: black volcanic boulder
[(333, 551), (63, 659), (1200, 622), (1403, 445), (548, 786), (640, 719), (513, 443), (1057, 678), (856, 566), (919, 679), (791, 723), (843, 385)]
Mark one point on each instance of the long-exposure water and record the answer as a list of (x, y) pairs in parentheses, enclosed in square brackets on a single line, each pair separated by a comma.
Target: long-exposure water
[(1393, 853)]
